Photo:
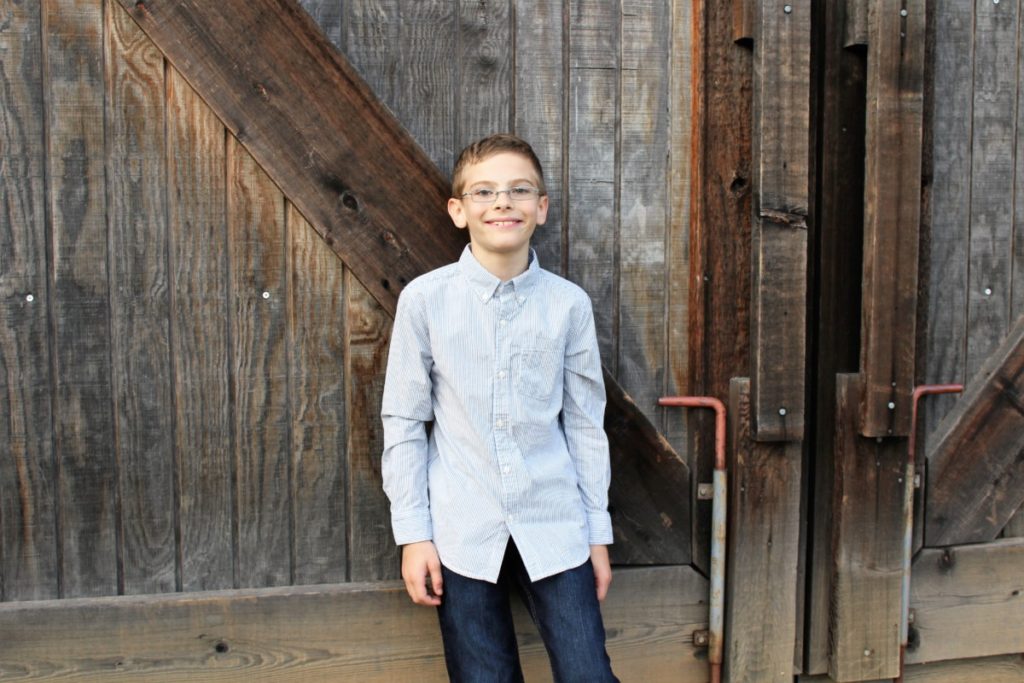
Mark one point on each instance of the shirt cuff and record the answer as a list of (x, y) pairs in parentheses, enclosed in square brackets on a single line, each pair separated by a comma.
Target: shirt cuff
[(412, 529), (600, 528)]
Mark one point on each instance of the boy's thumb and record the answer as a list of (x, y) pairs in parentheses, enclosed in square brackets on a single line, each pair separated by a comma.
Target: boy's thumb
[(436, 581)]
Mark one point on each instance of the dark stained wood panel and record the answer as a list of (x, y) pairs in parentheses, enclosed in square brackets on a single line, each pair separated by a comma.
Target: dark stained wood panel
[(258, 295), (483, 95), (993, 130), (781, 156), (892, 209), (644, 194), (744, 16), (140, 306), (839, 217), (366, 632), (763, 550), (720, 251), (317, 387), (373, 555), (855, 27), (28, 541), (976, 469), (946, 258), (593, 219), (80, 304), (540, 94), (867, 546), (968, 601), (200, 346)]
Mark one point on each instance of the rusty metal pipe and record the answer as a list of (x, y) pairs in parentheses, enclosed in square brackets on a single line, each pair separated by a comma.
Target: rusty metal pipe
[(908, 508), (716, 626)]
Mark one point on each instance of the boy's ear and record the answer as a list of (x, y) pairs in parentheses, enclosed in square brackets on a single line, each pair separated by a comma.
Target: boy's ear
[(455, 210), (542, 210)]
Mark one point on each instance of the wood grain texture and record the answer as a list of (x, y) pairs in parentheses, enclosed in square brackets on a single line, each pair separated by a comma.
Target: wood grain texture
[(364, 185), (80, 305), (763, 550), (867, 546), (404, 51), (28, 529), (855, 26), (946, 258), (541, 110), (719, 306), (976, 471), (968, 601), (592, 193), (258, 295), (200, 346), (328, 15), (840, 217), (993, 131), (295, 634), (744, 17), (485, 56), (140, 306), (319, 431), (1015, 527), (892, 208), (781, 156), (1005, 669), (373, 554), (685, 68), (644, 195)]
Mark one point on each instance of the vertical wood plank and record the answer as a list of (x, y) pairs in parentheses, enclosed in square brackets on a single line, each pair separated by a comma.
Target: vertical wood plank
[(80, 306), (140, 305), (373, 555), (484, 35), (684, 81), (992, 180), (744, 15), (258, 293), (317, 319), (540, 92), (840, 216), (867, 546), (644, 201), (763, 550), (199, 339), (719, 337), (404, 52), (28, 541), (855, 28), (781, 137), (947, 253), (328, 16), (892, 196), (594, 45)]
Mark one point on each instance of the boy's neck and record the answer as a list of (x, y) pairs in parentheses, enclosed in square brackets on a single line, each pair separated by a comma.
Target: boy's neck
[(503, 266)]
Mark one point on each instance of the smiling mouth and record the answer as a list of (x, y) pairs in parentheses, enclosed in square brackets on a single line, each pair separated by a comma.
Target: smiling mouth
[(506, 223)]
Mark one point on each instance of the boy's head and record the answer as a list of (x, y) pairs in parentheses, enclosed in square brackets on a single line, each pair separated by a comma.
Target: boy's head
[(487, 147)]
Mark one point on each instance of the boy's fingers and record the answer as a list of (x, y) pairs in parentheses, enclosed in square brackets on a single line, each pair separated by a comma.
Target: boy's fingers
[(436, 581)]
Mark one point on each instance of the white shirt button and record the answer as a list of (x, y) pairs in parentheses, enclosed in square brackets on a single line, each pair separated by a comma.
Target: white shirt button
[(501, 374), (511, 518), (499, 424), (506, 469), (521, 299), (503, 322)]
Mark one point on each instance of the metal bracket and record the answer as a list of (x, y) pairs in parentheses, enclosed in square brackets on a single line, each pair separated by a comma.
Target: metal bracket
[(701, 638), (705, 491)]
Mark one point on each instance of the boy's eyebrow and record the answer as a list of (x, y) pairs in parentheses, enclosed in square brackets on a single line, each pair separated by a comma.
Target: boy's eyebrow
[(514, 183)]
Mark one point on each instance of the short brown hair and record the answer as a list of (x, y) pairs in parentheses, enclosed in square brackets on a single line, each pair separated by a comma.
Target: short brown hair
[(487, 147)]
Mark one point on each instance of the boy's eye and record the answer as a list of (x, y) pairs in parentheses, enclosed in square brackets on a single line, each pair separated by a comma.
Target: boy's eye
[(483, 194), (519, 193)]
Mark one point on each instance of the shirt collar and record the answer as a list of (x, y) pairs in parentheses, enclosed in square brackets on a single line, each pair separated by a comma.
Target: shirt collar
[(484, 283)]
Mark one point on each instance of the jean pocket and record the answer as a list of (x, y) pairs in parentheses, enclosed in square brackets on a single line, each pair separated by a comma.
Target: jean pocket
[(539, 372)]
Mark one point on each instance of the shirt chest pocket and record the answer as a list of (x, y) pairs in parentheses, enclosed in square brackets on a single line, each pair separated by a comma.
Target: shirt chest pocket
[(538, 370)]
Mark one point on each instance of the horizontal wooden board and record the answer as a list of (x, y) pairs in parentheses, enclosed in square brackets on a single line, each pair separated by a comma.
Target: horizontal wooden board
[(968, 601), (1005, 669), (298, 634)]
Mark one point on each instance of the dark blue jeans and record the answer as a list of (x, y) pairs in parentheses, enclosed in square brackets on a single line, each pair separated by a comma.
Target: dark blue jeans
[(480, 640)]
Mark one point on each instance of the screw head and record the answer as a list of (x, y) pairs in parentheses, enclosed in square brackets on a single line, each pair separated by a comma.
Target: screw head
[(266, 295), (903, 12), (892, 406), (29, 298), (788, 9), (988, 291), (782, 411)]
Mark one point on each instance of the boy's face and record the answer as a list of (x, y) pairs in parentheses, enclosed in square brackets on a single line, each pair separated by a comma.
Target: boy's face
[(501, 227)]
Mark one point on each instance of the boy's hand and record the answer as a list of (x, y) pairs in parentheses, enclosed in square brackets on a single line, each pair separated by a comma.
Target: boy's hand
[(420, 563), (602, 569)]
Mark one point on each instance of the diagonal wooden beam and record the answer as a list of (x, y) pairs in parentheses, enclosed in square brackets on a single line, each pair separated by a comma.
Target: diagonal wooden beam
[(378, 201), (976, 468)]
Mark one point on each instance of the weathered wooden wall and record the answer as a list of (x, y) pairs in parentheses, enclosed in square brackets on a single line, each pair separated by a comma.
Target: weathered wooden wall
[(194, 378)]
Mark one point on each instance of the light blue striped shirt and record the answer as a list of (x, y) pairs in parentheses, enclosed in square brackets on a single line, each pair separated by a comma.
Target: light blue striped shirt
[(510, 375)]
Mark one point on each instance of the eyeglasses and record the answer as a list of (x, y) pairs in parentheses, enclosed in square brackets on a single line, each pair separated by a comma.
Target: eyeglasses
[(485, 195)]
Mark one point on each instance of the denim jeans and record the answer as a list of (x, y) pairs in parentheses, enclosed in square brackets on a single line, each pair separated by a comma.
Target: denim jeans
[(480, 640)]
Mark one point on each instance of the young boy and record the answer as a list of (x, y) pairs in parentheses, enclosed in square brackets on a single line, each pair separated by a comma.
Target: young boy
[(510, 485)]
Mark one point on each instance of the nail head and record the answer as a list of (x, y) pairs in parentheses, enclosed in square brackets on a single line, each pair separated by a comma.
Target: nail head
[(903, 12), (29, 298), (266, 295), (787, 9), (782, 411)]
